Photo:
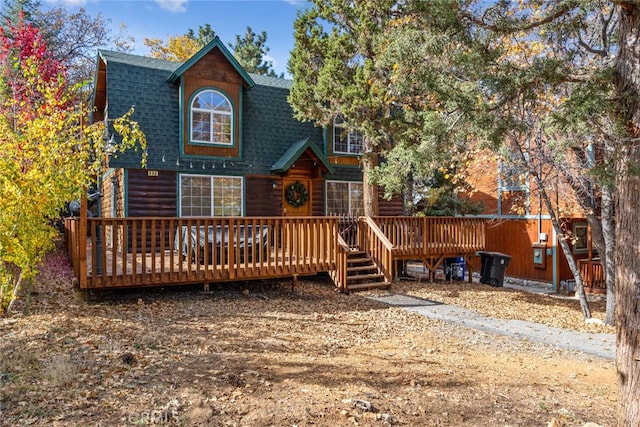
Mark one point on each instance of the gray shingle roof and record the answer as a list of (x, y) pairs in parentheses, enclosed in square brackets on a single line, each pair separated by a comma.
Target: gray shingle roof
[(268, 127)]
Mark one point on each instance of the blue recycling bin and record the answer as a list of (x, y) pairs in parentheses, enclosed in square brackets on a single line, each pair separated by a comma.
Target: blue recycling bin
[(454, 268)]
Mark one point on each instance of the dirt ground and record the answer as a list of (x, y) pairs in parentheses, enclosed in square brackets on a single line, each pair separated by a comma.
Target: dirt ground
[(260, 354)]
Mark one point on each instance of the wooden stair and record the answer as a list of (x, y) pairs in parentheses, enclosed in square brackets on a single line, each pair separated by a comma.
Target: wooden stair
[(362, 273)]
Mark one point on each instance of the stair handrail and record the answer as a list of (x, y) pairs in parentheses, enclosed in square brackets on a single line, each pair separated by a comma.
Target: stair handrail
[(378, 246), (339, 275), (373, 226)]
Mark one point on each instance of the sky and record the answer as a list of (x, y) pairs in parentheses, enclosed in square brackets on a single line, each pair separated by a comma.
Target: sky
[(163, 18)]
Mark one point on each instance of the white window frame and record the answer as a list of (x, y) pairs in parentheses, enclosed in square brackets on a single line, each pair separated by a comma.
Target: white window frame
[(353, 138), (581, 238), (351, 210), (213, 207), (511, 171), (213, 113)]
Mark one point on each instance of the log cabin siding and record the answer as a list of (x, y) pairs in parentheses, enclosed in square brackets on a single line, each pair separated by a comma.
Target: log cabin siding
[(151, 196), (261, 198), (155, 196), (318, 202), (392, 207)]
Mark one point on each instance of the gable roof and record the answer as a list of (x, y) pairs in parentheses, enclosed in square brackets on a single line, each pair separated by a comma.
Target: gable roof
[(295, 151), (213, 44), (268, 125)]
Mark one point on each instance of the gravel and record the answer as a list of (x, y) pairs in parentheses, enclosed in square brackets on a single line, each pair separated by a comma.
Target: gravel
[(595, 344)]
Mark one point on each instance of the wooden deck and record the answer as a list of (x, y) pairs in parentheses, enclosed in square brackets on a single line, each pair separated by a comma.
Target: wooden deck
[(111, 253), (592, 273)]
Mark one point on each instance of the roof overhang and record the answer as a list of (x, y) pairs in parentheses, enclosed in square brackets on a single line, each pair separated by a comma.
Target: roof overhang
[(298, 149)]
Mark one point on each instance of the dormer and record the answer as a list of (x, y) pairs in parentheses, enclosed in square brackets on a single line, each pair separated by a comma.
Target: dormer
[(211, 85)]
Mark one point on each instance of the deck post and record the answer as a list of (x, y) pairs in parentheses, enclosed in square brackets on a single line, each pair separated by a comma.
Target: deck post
[(82, 244)]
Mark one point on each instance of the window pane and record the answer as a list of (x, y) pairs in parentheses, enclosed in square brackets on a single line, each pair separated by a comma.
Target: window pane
[(356, 199), (195, 196), (513, 174), (346, 140), (337, 198), (211, 118), (222, 128), (201, 127), (355, 142), (345, 198), (210, 195), (227, 196)]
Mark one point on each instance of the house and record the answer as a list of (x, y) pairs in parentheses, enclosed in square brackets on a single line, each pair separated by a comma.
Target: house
[(222, 142), (520, 225), (236, 188)]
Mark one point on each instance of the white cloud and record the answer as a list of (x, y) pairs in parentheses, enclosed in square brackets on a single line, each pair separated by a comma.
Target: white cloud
[(268, 58), (298, 3), (79, 3), (177, 6)]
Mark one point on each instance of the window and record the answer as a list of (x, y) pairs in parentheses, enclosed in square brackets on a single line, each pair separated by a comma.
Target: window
[(211, 118), (347, 141), (202, 195), (345, 198), (580, 239), (513, 174)]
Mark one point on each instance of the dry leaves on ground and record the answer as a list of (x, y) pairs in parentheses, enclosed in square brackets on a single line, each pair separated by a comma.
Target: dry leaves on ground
[(260, 354)]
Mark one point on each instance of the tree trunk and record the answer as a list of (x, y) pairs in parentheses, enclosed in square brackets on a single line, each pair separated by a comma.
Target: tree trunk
[(609, 263), (566, 250), (370, 189), (627, 80)]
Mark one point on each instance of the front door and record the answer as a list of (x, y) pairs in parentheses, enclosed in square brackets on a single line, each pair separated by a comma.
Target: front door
[(296, 196)]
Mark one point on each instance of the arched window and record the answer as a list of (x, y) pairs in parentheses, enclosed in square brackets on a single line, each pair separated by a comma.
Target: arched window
[(211, 118)]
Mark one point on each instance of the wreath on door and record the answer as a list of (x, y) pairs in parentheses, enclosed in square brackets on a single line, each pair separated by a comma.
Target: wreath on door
[(296, 194)]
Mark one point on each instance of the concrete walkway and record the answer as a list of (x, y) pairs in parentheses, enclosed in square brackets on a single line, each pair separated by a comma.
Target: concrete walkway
[(596, 344)]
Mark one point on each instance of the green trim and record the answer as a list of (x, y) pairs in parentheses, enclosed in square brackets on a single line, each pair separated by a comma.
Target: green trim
[(295, 151), (213, 44), (240, 121), (325, 141), (181, 135), (125, 192), (107, 173)]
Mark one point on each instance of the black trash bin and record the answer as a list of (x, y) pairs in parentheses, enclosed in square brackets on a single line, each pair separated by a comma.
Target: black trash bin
[(454, 268), (493, 265)]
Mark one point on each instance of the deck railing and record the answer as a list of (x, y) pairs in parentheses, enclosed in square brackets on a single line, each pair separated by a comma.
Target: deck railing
[(433, 236), (339, 275), (151, 251), (373, 240), (592, 273), (123, 252)]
